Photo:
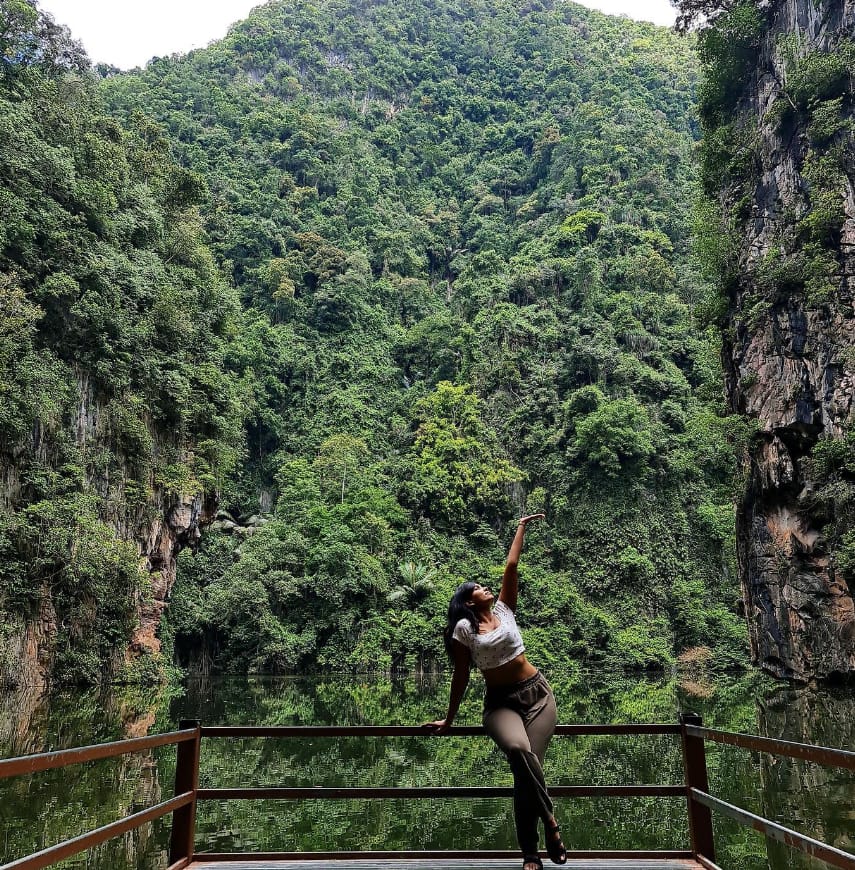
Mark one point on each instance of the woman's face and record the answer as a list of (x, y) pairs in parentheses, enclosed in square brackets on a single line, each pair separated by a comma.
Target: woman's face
[(481, 597)]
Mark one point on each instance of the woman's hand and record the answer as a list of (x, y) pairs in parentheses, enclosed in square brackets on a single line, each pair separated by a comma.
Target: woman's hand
[(441, 726), (524, 521)]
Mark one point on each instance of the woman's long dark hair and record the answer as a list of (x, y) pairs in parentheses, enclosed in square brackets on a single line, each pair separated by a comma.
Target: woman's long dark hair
[(458, 609)]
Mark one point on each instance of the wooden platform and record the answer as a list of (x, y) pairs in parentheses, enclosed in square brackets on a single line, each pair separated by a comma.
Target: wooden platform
[(447, 864)]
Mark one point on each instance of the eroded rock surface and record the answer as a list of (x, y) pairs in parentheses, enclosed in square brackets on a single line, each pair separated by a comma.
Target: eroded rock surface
[(788, 352), (160, 527)]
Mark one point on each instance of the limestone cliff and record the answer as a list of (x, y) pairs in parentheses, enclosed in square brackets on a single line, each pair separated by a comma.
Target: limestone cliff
[(788, 196), (157, 527)]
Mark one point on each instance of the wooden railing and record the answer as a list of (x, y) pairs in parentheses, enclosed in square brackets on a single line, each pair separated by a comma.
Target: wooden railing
[(623, 791), (695, 790), (700, 800), (182, 805)]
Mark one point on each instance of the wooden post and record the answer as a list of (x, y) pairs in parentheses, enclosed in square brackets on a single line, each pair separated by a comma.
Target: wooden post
[(695, 766), (182, 840)]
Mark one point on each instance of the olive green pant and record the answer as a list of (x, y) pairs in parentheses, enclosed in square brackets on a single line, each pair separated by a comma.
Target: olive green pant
[(521, 719)]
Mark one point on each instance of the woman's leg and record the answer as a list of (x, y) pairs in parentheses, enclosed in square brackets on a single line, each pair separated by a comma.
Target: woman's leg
[(531, 800), (540, 720), (541, 717)]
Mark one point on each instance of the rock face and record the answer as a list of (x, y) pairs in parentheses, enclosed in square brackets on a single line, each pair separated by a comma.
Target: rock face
[(159, 528), (177, 526), (25, 651), (789, 336)]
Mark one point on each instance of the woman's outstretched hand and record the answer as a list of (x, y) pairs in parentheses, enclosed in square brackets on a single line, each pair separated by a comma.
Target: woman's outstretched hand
[(526, 520), (441, 726)]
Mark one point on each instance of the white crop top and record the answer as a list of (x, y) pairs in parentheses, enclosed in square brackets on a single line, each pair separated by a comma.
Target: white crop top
[(496, 647)]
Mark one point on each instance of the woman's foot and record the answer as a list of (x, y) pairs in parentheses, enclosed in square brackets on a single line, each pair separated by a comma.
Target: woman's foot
[(554, 844), (532, 862)]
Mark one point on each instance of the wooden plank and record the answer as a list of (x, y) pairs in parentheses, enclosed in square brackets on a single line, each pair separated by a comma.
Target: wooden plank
[(460, 864), (415, 730), (341, 859), (62, 758), (804, 751)]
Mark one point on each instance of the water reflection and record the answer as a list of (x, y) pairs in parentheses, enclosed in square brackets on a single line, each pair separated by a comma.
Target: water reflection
[(807, 796), (43, 809), (46, 808)]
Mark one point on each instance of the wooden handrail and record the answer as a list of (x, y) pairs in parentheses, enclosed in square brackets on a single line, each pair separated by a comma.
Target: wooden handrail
[(351, 793), (27, 764), (804, 751), (399, 793), (66, 849), (800, 842), (701, 800), (183, 804), (417, 731), (188, 738)]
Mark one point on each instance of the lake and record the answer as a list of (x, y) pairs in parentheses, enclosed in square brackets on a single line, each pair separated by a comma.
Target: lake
[(45, 808)]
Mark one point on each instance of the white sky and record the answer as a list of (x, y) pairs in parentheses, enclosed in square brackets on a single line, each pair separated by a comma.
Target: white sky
[(127, 33)]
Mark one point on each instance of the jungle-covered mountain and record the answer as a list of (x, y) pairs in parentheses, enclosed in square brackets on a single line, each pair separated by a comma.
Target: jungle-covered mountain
[(372, 279)]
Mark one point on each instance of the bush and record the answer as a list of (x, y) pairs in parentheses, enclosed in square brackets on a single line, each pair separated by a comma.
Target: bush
[(644, 646), (728, 51), (615, 438), (819, 75)]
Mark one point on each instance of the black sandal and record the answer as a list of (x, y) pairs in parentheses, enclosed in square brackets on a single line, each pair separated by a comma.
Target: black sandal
[(532, 859), (554, 845)]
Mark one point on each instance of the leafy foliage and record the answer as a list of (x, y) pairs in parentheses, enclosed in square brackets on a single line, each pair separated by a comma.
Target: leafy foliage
[(691, 12), (461, 238), (115, 324), (434, 257)]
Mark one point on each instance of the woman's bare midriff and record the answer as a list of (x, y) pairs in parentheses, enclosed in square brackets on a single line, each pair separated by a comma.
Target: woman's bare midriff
[(510, 672)]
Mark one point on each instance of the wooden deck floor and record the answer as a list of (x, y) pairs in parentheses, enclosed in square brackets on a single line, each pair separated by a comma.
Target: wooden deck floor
[(446, 864)]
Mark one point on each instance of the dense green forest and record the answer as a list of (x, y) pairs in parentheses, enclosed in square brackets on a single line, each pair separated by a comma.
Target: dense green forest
[(378, 277), (115, 324)]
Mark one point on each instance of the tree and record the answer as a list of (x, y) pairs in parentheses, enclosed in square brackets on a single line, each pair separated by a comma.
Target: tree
[(418, 584), (457, 471), (616, 437), (691, 12), (30, 37), (340, 459)]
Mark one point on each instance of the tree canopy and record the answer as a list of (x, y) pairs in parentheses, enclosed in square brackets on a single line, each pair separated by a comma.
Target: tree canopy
[(385, 275)]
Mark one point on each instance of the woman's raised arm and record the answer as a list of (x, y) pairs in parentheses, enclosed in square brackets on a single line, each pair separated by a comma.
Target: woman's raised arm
[(508, 594)]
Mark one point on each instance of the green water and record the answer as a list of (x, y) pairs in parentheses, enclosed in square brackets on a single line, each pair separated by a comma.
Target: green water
[(39, 810)]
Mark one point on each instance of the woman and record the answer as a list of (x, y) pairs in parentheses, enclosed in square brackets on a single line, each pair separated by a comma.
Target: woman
[(519, 708)]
